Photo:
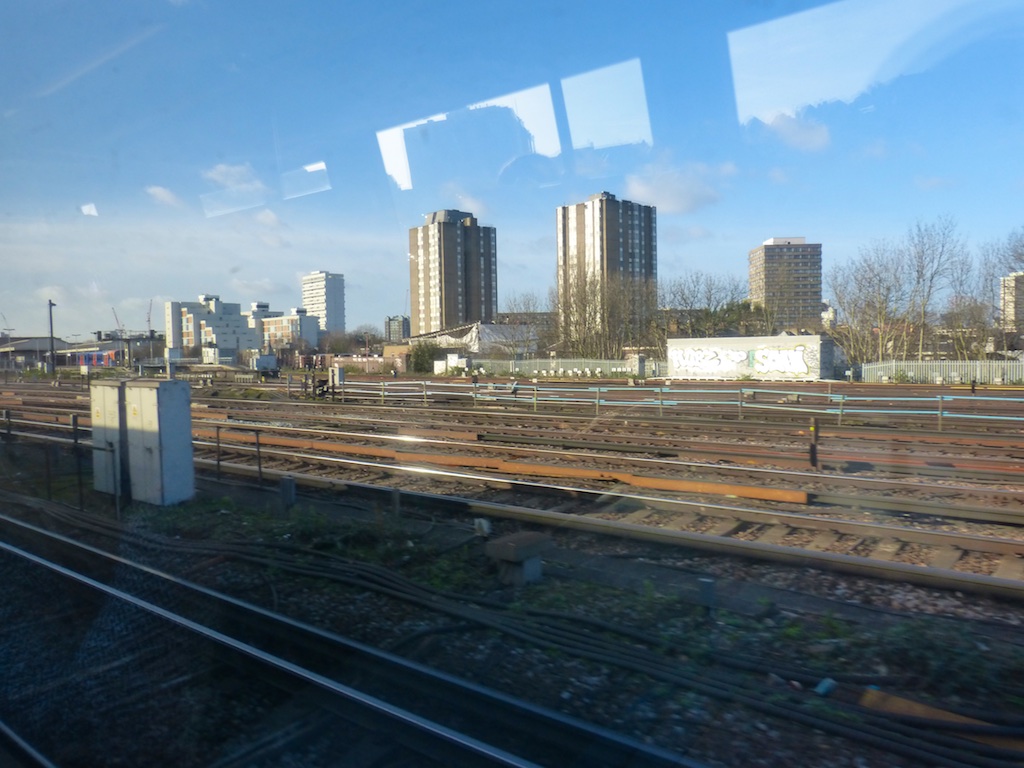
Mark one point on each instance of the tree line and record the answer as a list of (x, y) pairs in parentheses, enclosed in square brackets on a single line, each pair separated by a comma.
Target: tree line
[(920, 295)]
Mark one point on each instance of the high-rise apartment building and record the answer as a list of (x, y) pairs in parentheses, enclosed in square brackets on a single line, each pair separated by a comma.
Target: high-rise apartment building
[(453, 272), (785, 280), (600, 240), (323, 296), (1011, 302), (396, 328)]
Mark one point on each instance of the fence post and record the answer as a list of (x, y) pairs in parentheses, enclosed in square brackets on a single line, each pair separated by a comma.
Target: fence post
[(218, 451), (535, 398), (424, 393), (940, 412), (813, 447), (77, 449), (842, 400), (383, 388), (259, 457), (597, 401), (661, 401), (739, 404), (49, 477)]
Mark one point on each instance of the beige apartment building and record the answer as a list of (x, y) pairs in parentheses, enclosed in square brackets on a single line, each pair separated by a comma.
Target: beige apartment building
[(785, 279), (453, 272)]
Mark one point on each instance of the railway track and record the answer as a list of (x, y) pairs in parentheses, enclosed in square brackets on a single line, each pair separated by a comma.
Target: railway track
[(982, 564), (801, 516), (431, 716), (733, 677)]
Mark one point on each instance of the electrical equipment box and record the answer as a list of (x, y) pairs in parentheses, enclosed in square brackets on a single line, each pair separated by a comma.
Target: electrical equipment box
[(159, 420), (109, 437)]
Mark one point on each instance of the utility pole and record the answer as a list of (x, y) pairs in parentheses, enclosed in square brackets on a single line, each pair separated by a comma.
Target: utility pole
[(53, 355)]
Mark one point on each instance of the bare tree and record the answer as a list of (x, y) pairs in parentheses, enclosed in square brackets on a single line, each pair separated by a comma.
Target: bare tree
[(704, 304), (930, 252), (599, 318), (1007, 254), (970, 312), (522, 323), (870, 298)]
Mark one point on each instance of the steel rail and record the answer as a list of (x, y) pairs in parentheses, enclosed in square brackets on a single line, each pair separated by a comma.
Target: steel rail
[(547, 732), (16, 752), (922, 575), (887, 504), (967, 542)]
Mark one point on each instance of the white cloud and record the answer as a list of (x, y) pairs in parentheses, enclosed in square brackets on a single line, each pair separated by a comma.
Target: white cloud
[(260, 288), (801, 133), (268, 218), (163, 196), (89, 209), (234, 176), (240, 189), (778, 176), (679, 190)]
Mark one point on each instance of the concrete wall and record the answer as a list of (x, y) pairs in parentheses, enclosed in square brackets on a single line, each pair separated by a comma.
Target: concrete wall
[(763, 358)]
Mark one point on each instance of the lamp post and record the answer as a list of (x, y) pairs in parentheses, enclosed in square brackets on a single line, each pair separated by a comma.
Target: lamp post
[(53, 354)]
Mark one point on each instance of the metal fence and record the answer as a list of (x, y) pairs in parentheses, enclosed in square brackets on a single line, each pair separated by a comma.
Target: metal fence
[(945, 372)]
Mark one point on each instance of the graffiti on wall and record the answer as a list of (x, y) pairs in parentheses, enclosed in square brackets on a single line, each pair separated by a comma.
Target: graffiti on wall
[(707, 360), (785, 361), (757, 357)]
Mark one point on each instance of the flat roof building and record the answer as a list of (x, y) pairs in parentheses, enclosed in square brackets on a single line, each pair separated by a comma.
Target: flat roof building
[(209, 322), (323, 296), (785, 281), (396, 328), (600, 240), (453, 272)]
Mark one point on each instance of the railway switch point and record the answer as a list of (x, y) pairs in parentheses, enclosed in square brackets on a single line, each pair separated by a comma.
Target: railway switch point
[(518, 556)]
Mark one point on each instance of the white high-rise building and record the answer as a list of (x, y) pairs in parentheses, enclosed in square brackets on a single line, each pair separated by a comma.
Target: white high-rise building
[(323, 296)]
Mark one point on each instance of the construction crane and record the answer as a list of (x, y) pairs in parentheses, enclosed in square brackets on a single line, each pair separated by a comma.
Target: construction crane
[(126, 358)]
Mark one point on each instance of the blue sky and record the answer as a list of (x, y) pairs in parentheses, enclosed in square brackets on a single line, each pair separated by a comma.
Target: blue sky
[(165, 148)]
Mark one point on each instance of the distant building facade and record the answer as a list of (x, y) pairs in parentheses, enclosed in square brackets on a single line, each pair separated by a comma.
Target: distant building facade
[(453, 272), (599, 240), (279, 330), (1011, 302), (396, 328), (323, 296), (785, 280), (208, 322), (212, 323)]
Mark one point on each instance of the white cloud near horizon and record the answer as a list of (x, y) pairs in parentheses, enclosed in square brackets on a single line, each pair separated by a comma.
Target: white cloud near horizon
[(679, 190), (164, 196)]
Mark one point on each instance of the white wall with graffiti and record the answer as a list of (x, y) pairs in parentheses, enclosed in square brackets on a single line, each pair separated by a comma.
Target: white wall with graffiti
[(765, 358)]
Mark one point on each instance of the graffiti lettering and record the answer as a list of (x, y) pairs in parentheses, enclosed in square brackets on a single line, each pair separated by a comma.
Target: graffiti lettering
[(706, 360), (775, 360)]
